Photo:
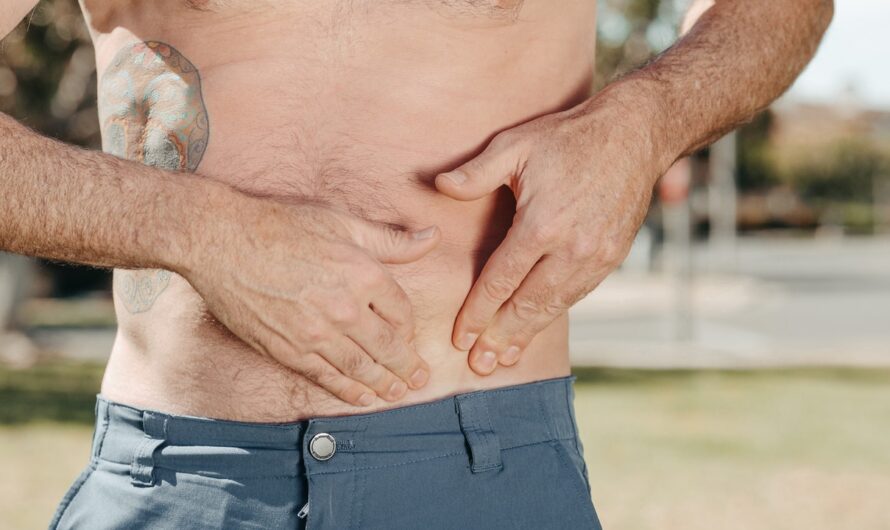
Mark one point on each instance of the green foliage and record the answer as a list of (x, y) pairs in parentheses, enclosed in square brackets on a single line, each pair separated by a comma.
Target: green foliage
[(623, 30), (844, 170), (756, 170), (56, 391), (48, 74)]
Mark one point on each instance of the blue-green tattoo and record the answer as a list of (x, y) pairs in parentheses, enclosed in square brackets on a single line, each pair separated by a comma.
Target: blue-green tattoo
[(151, 109)]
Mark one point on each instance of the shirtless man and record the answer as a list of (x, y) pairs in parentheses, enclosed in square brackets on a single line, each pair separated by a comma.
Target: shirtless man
[(318, 210)]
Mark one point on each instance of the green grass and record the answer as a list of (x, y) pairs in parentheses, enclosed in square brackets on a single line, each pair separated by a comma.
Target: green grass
[(63, 392), (784, 449), (777, 449)]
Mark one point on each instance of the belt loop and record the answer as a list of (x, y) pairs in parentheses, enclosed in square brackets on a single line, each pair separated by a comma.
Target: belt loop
[(475, 423), (142, 467)]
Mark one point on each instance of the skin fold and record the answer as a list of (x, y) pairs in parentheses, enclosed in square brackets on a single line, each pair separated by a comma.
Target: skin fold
[(340, 207)]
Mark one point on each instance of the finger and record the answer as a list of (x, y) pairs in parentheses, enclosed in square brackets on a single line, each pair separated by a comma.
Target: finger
[(388, 349), (387, 244), (500, 277), (390, 302), (352, 361), (315, 368), (501, 160), (543, 296)]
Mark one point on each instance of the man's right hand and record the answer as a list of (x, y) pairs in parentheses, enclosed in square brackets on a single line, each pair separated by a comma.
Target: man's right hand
[(305, 284)]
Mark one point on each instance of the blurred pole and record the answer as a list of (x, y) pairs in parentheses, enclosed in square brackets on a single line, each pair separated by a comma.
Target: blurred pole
[(722, 204), (15, 273), (16, 349), (673, 190)]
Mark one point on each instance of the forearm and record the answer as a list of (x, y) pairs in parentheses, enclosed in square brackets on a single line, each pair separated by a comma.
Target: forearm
[(735, 60), (65, 203)]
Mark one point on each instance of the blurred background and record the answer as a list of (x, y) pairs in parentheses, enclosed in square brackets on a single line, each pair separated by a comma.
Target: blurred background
[(734, 373)]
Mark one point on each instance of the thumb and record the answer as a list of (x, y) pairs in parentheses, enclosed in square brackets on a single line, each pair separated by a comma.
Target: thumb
[(392, 245), (495, 166)]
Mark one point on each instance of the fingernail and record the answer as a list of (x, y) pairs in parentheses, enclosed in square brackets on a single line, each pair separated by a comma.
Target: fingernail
[(366, 399), (397, 389), (466, 342), (487, 361), (426, 233), (510, 356), (457, 177), (419, 378)]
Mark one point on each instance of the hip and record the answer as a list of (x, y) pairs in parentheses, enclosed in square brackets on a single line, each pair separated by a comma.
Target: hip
[(216, 375)]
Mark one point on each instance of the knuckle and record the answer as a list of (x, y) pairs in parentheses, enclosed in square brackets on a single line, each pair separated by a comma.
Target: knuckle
[(582, 249), (504, 140), (512, 264), (402, 312), (543, 233), (610, 253), (373, 276), (313, 368), (498, 288), (384, 339), (344, 312), (365, 273), (397, 358), (392, 237), (577, 294), (525, 308), (554, 307), (313, 332), (354, 363)]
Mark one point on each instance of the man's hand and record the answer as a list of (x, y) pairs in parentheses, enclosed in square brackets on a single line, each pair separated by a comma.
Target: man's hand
[(301, 282), (305, 285), (583, 178), (582, 181)]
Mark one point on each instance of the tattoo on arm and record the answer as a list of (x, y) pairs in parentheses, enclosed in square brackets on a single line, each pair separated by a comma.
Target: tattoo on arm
[(151, 109)]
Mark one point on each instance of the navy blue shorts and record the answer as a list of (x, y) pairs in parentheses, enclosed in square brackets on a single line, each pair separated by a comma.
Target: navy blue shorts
[(508, 458)]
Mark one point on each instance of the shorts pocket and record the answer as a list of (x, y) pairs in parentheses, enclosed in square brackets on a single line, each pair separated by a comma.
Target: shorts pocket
[(573, 463), (71, 494)]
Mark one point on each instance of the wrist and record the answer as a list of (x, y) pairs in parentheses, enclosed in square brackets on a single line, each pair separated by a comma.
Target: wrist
[(197, 226), (631, 114)]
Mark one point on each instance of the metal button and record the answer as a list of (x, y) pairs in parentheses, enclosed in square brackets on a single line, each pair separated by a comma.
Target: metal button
[(323, 446)]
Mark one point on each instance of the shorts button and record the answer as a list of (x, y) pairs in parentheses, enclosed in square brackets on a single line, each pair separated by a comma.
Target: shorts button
[(323, 446)]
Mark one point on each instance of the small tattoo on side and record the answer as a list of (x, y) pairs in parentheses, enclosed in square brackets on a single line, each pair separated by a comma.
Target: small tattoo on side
[(138, 289)]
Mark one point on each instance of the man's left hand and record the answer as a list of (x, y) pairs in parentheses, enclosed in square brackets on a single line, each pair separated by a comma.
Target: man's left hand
[(583, 181)]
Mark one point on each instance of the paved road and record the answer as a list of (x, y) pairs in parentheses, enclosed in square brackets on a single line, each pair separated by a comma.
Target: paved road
[(789, 302)]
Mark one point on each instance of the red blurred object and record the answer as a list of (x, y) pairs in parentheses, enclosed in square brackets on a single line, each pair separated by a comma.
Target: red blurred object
[(673, 186)]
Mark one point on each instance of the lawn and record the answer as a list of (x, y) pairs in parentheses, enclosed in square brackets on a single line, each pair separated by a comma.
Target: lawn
[(780, 449)]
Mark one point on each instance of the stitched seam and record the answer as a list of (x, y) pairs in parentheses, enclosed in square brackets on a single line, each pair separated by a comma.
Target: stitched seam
[(530, 444), (547, 419), (101, 441), (333, 471), (137, 468), (491, 438), (467, 413), (567, 463), (226, 477), (68, 500), (572, 419)]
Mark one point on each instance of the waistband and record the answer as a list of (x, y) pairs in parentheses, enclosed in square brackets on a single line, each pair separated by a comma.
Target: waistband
[(476, 425)]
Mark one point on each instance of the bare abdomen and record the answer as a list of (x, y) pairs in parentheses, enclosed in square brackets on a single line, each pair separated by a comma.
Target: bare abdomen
[(364, 126)]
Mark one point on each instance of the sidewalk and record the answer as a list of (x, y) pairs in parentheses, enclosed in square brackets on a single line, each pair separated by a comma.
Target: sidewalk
[(792, 302)]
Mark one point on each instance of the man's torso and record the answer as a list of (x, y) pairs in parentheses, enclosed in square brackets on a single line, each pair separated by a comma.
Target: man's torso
[(358, 104)]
